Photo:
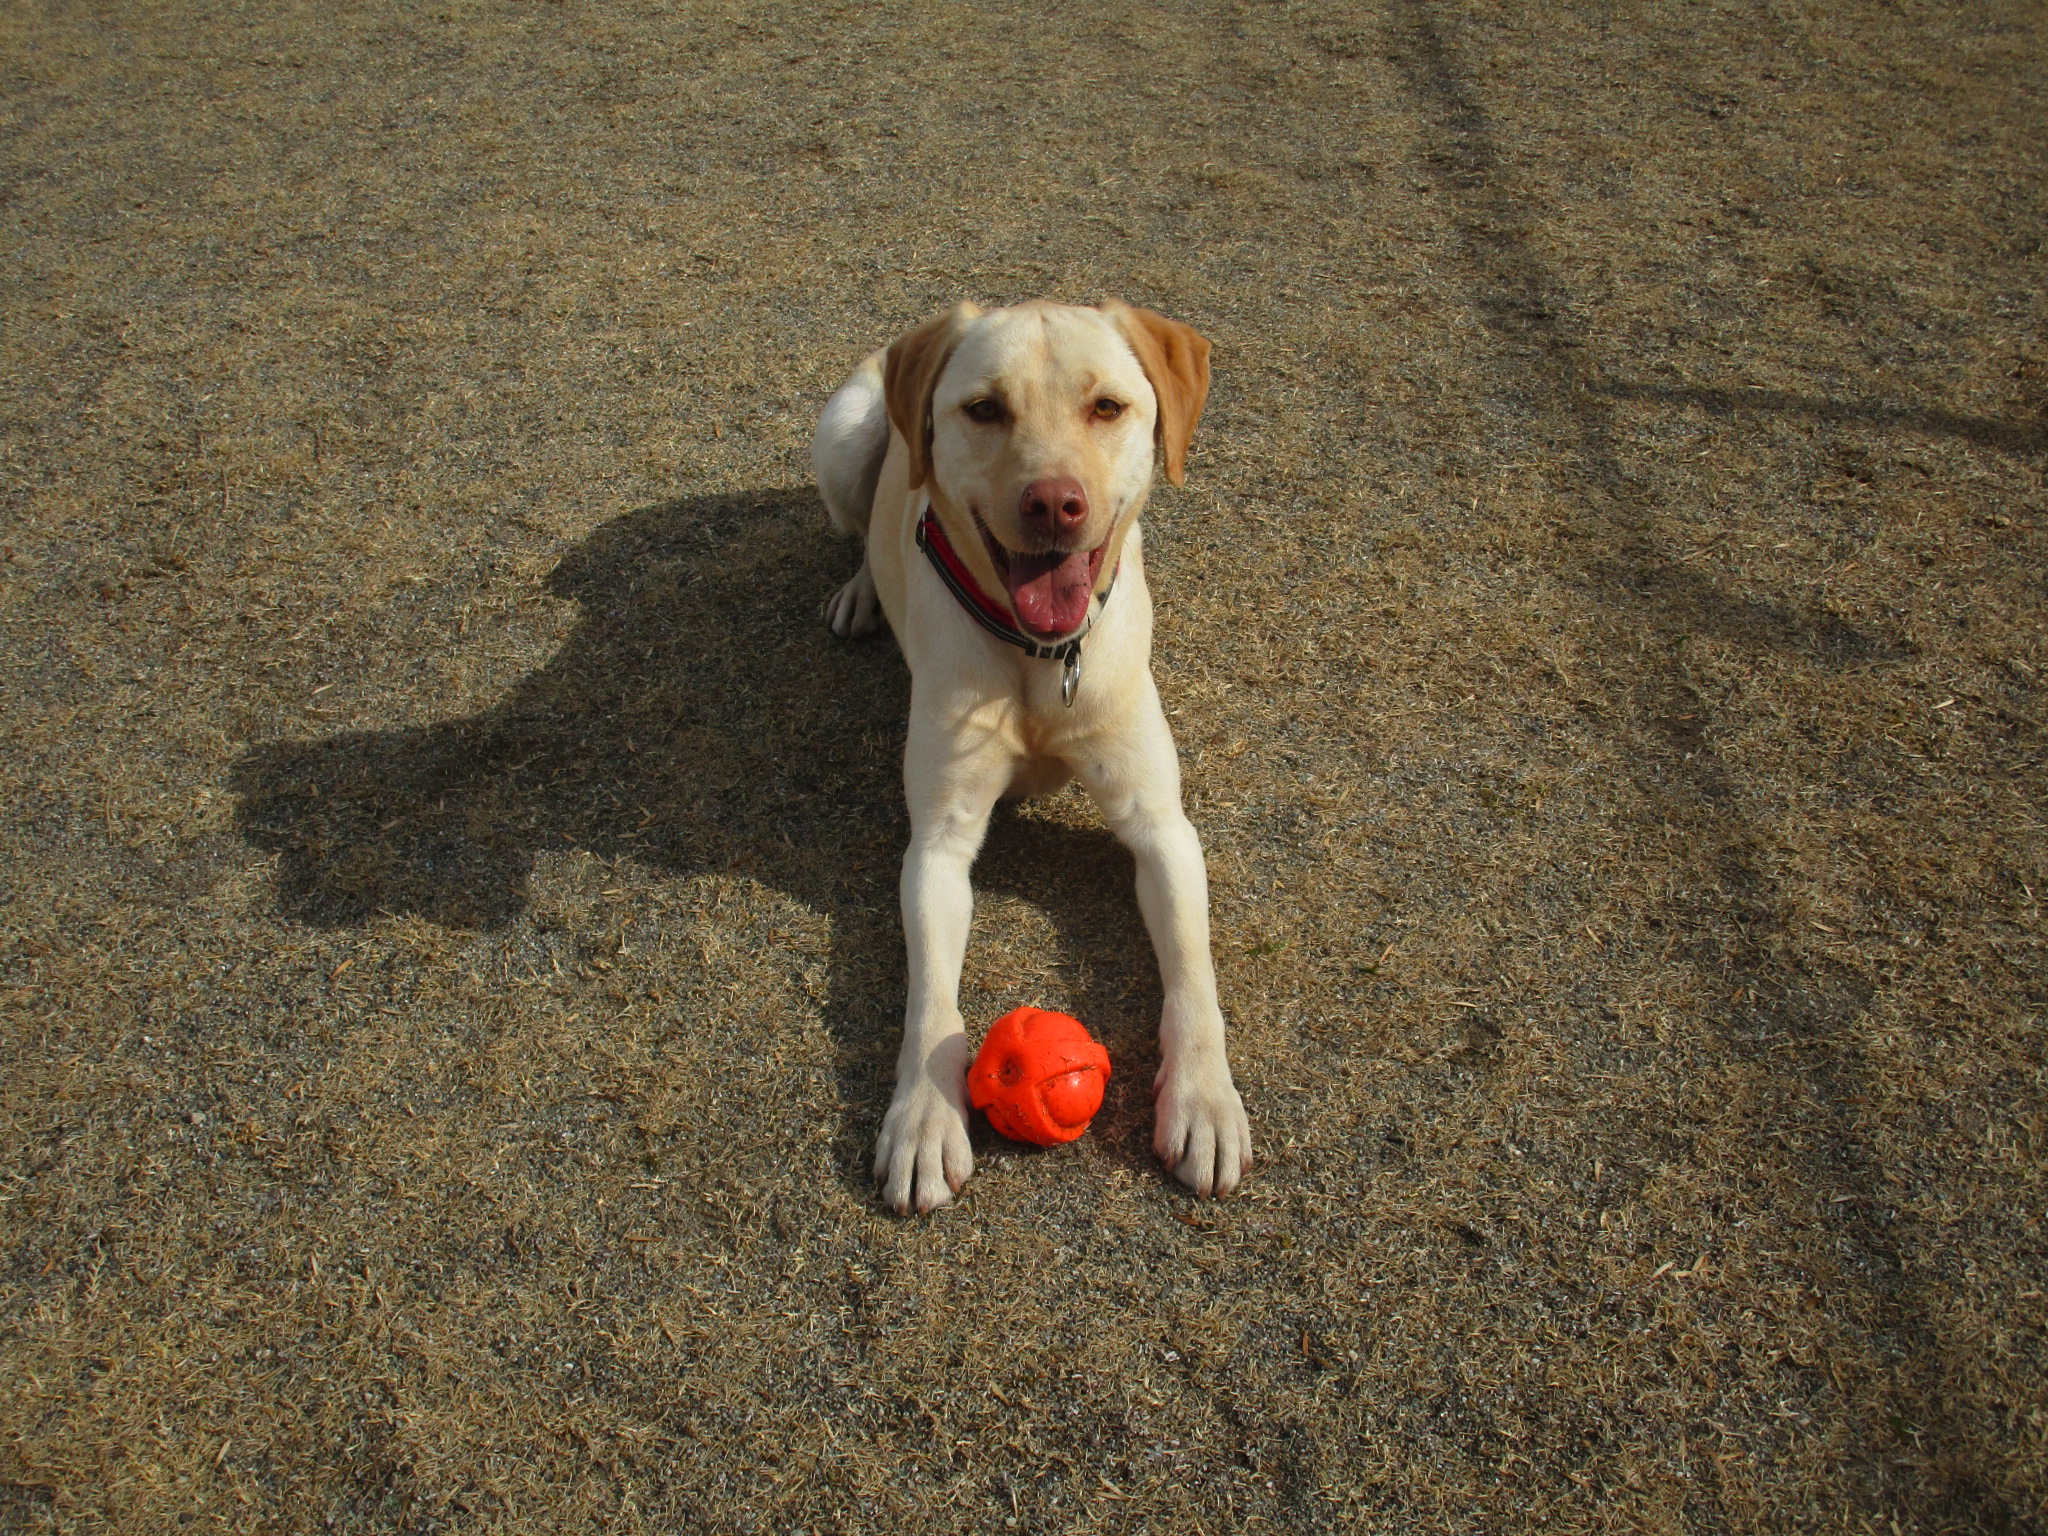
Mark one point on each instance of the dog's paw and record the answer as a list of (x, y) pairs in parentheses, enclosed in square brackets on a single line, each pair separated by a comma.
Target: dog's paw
[(1199, 1128), (854, 610), (922, 1157)]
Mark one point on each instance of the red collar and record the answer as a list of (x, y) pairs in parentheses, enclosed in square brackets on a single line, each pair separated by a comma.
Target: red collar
[(991, 616)]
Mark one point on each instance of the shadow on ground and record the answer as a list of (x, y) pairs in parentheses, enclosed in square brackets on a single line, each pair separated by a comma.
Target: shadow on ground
[(698, 719)]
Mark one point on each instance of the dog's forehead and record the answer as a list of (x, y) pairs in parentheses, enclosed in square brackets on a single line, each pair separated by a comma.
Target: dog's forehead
[(1053, 347)]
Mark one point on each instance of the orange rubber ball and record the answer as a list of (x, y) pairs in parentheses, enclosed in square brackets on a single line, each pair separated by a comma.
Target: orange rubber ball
[(1039, 1076)]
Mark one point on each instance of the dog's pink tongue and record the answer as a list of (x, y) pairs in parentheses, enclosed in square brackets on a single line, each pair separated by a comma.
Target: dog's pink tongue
[(1052, 591)]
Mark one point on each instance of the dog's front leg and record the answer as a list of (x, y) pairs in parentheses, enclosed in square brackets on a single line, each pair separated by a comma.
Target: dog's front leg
[(922, 1157), (1199, 1125)]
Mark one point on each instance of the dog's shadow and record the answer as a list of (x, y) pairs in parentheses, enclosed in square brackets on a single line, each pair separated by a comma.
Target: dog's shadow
[(698, 718)]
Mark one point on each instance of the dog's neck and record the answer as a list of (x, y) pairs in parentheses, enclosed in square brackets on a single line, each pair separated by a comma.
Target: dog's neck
[(992, 616)]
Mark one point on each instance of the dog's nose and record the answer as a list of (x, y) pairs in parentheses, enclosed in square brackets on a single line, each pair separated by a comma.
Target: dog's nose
[(1055, 508)]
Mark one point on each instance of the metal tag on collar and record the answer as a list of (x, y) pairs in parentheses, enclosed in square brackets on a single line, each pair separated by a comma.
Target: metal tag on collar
[(1070, 675)]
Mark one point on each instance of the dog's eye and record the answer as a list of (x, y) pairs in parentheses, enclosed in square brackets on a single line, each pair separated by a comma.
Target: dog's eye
[(984, 409), (1107, 409)]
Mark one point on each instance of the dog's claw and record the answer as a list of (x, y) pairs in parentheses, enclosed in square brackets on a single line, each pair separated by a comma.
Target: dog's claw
[(922, 1158), (854, 610), (1201, 1133)]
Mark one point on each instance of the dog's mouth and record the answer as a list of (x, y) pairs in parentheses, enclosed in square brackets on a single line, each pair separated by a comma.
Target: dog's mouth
[(1051, 591)]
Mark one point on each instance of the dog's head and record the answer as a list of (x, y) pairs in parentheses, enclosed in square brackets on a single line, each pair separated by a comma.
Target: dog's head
[(1035, 429)]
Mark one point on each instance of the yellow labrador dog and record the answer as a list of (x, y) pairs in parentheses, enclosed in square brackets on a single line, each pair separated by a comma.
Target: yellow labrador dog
[(996, 462)]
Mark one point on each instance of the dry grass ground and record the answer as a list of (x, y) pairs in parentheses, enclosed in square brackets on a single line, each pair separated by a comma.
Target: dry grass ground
[(449, 942)]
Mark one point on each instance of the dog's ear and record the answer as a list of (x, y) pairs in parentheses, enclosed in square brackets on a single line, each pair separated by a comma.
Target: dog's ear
[(915, 361), (1175, 358)]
